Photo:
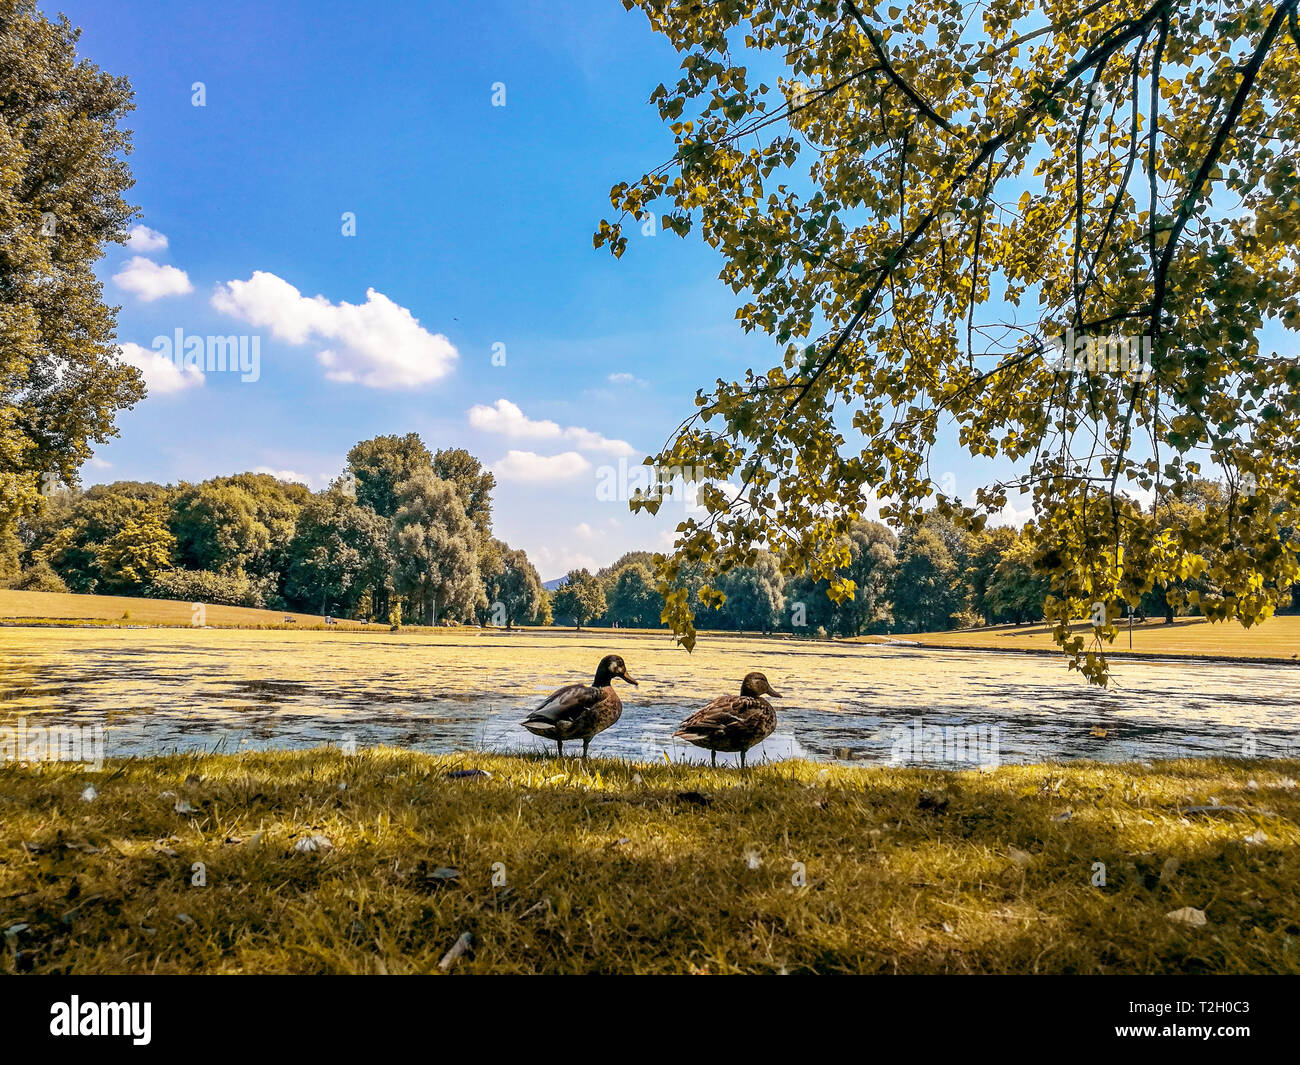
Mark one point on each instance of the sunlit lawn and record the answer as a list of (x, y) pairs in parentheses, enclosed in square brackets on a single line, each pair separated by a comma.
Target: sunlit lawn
[(1278, 637), (618, 867)]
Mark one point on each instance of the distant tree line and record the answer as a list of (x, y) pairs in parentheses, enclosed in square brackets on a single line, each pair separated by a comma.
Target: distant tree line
[(405, 535), (402, 535), (930, 577)]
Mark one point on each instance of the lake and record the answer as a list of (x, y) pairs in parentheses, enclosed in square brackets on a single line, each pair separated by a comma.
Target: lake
[(157, 690)]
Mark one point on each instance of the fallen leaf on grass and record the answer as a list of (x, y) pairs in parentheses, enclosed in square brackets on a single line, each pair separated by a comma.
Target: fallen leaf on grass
[(312, 845), (1188, 915)]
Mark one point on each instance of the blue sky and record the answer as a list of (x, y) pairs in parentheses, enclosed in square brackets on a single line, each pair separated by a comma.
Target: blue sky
[(474, 220), (473, 228)]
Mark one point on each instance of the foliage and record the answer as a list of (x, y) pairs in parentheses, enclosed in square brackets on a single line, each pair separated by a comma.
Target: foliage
[(516, 586), (919, 209), (581, 597), (434, 548), (62, 178), (201, 586)]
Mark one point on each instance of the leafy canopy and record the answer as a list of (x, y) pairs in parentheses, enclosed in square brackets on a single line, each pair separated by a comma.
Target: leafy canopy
[(916, 212)]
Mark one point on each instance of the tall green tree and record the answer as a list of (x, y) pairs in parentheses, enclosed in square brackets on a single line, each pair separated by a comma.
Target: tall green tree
[(473, 483), (514, 591), (580, 598), (925, 205), (632, 598), (63, 175), (754, 592), (382, 463), (927, 587), (340, 552), (434, 549), (1016, 591)]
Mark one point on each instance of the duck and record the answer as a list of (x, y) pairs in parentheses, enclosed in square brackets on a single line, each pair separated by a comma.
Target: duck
[(580, 711), (733, 722)]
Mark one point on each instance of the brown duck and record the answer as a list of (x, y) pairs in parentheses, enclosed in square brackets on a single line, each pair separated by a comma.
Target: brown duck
[(579, 711), (733, 722)]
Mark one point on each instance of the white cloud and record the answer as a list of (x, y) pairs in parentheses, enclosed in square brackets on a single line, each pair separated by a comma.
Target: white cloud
[(142, 239), (292, 476), (626, 379), (584, 530), (99, 464), (150, 280), (507, 419), (161, 375), (529, 466), (379, 343)]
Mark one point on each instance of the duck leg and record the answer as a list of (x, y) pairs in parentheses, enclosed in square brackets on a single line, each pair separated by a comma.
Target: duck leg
[(559, 746), (713, 759), (584, 747), (742, 759)]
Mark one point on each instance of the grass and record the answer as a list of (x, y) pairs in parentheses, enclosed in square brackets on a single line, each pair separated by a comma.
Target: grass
[(62, 608), (1277, 638), (618, 867)]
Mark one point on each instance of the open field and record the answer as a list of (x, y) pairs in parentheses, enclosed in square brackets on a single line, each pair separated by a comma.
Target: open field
[(60, 607), (1277, 638), (617, 867)]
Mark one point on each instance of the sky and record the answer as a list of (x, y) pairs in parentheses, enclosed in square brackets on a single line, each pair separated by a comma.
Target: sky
[(472, 238), (394, 204)]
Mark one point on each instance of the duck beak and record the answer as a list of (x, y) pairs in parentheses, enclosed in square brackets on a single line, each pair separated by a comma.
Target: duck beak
[(629, 680), (775, 693)]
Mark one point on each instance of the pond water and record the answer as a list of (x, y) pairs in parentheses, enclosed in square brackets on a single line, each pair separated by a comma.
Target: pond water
[(157, 690)]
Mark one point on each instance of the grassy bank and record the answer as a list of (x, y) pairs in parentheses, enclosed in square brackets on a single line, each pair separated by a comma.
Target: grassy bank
[(1277, 639), (616, 867)]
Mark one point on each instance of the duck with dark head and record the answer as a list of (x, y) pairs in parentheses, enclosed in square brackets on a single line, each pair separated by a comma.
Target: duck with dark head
[(580, 711), (733, 722)]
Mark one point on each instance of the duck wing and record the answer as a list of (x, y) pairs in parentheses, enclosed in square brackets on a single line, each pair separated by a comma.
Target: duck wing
[(724, 714), (565, 704)]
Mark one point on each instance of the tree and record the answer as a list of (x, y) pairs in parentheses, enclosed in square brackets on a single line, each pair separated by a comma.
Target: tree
[(434, 548), (107, 541), (987, 549), (926, 589), (380, 464), (581, 597), (1016, 590), (1058, 230), (217, 528), (62, 178), (515, 586), (754, 594), (872, 561), (339, 552), (473, 484), (131, 557), (632, 598)]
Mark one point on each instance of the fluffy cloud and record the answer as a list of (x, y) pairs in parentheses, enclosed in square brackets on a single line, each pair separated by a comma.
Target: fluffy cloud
[(150, 280), (142, 240), (626, 379), (161, 375), (378, 343), (529, 466), (292, 476), (507, 419)]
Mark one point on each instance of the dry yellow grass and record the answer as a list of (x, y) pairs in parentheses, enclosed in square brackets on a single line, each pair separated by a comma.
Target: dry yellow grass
[(1277, 638), (612, 866), (60, 607)]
